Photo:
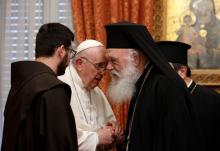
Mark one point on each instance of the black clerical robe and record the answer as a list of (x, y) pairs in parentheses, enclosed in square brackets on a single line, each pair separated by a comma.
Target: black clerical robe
[(160, 118), (38, 115), (207, 105)]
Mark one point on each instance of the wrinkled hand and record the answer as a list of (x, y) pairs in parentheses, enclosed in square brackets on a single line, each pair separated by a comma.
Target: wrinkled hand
[(118, 133), (105, 135)]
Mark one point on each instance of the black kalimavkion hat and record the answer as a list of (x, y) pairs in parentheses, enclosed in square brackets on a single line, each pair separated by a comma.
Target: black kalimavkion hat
[(118, 37), (175, 52)]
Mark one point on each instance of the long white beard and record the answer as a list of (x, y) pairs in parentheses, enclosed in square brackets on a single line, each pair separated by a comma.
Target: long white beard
[(123, 88)]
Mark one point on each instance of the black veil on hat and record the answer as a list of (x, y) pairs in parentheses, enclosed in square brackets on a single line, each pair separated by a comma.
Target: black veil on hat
[(175, 52), (136, 36)]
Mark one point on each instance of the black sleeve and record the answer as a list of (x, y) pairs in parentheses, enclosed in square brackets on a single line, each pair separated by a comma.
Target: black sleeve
[(57, 121)]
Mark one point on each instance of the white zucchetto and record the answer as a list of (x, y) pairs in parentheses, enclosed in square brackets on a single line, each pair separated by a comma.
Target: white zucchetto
[(89, 43)]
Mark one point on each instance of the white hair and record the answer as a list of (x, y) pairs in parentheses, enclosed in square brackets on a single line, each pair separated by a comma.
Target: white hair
[(123, 88)]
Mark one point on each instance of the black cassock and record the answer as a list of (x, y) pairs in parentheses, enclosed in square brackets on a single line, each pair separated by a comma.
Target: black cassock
[(162, 120), (38, 115), (207, 105), (161, 115)]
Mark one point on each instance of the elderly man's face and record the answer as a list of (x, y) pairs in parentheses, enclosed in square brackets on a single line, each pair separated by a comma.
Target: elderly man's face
[(117, 61), (124, 74), (93, 66)]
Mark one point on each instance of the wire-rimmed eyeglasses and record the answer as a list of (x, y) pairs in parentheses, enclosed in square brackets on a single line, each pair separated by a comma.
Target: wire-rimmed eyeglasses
[(72, 53), (99, 66)]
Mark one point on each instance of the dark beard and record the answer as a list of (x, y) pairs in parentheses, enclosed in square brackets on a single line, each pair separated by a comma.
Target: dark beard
[(62, 66)]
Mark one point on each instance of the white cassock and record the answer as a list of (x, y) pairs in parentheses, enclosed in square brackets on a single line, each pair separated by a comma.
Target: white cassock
[(91, 110)]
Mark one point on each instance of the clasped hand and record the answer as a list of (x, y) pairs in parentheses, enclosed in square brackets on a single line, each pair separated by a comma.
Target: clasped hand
[(110, 134)]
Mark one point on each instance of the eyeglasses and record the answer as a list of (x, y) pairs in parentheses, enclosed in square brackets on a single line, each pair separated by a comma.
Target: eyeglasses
[(99, 66), (72, 53)]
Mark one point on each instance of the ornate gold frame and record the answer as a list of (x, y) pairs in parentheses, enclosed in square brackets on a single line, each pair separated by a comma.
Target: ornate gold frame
[(208, 77)]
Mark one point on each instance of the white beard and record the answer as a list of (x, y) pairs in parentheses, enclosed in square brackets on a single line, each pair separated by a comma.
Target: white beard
[(122, 89)]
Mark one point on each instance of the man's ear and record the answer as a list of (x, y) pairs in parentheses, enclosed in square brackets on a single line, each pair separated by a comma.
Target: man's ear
[(61, 51), (136, 58), (183, 71), (78, 64)]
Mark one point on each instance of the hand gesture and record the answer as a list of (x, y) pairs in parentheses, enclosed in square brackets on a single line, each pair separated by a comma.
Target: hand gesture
[(118, 133), (105, 135)]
